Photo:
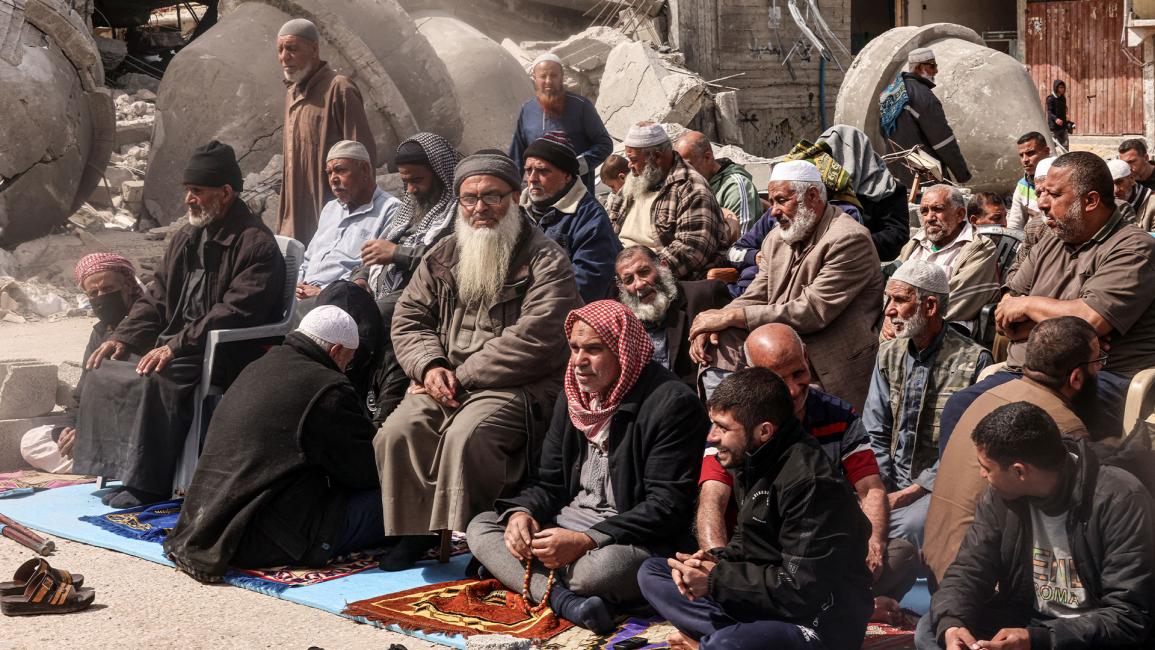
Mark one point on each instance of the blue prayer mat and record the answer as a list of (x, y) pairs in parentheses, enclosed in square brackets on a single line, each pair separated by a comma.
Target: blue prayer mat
[(149, 523)]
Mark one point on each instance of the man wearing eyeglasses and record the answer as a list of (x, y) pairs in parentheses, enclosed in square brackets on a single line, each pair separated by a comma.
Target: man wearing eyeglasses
[(1061, 375), (921, 121), (479, 332)]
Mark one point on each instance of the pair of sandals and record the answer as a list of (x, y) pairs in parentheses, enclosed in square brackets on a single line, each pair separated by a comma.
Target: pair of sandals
[(37, 588)]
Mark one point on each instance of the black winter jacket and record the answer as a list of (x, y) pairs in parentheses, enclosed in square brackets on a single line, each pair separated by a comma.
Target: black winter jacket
[(287, 444), (798, 552), (1109, 523), (655, 452)]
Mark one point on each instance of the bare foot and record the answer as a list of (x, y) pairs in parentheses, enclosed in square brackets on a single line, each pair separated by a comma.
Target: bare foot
[(886, 610), (679, 641)]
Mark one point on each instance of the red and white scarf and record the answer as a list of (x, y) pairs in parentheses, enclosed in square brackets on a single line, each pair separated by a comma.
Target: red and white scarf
[(622, 333)]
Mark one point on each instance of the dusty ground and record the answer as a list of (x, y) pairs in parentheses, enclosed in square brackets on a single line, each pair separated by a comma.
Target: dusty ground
[(54, 342), (140, 604)]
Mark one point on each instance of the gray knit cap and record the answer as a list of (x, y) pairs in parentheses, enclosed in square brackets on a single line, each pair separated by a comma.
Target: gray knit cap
[(300, 27), (490, 162)]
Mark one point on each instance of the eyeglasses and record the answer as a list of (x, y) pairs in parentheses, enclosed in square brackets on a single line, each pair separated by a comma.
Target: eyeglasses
[(1102, 361), (492, 200)]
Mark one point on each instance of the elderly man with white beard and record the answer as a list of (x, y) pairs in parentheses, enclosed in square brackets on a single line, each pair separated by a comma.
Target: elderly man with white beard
[(668, 207), (478, 332), (665, 306), (222, 271), (922, 367), (819, 273)]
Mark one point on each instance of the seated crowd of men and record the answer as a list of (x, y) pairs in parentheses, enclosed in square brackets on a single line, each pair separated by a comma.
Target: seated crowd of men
[(621, 418)]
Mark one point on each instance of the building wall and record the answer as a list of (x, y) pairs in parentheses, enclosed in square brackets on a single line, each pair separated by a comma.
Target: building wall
[(979, 15), (721, 38)]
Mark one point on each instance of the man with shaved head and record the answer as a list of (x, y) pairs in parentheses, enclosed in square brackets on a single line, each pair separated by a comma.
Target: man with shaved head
[(554, 110), (833, 422), (321, 109), (732, 185)]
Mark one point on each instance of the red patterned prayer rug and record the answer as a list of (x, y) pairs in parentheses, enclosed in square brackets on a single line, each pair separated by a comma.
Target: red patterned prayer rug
[(463, 607), (880, 636), (26, 479)]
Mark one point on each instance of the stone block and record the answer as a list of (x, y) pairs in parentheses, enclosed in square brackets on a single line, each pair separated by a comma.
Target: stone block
[(132, 192), (134, 132), (726, 116), (133, 82), (12, 430), (112, 51), (101, 197), (497, 642), (637, 85), (67, 378), (27, 389), (589, 50)]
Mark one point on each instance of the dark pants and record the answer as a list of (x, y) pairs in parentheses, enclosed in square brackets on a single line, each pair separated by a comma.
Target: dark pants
[(389, 381), (705, 621), (364, 524)]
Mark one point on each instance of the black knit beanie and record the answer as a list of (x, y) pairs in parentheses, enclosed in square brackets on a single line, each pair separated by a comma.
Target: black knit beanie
[(214, 165), (554, 148)]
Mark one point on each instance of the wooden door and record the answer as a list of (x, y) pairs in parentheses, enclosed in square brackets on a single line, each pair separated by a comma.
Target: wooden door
[(1079, 41)]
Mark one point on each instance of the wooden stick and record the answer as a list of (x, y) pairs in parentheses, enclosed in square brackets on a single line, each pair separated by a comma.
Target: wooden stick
[(25, 537)]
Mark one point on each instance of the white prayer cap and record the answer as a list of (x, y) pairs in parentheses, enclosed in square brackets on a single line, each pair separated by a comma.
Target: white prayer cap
[(547, 56), (920, 55), (796, 171), (1119, 169), (644, 135), (1043, 167), (924, 275), (300, 27), (331, 323), (350, 150)]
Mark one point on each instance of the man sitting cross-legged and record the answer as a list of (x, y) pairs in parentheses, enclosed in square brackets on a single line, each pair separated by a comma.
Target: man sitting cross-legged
[(894, 563), (793, 575), (616, 479), (1060, 551), (478, 331), (286, 475)]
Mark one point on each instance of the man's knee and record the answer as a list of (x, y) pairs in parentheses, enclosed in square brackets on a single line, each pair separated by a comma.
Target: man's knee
[(901, 571), (653, 572), (481, 532), (924, 634), (603, 575)]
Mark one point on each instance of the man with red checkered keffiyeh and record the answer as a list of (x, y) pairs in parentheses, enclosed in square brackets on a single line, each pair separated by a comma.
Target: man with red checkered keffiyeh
[(616, 480)]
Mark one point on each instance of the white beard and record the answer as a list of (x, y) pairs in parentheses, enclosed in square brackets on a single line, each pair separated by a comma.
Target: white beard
[(909, 328), (801, 226), (638, 188), (484, 255), (655, 312), (209, 213)]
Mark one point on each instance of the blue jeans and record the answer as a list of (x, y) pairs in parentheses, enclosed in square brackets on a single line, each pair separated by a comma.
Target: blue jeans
[(706, 622)]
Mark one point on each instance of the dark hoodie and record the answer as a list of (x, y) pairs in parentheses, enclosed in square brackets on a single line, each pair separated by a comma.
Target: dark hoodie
[(1056, 107)]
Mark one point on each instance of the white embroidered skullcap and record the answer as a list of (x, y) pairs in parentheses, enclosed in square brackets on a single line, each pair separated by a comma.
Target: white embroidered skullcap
[(350, 150), (300, 27), (547, 56), (796, 171), (920, 55), (331, 323), (1043, 167), (1119, 169), (644, 135), (924, 275)]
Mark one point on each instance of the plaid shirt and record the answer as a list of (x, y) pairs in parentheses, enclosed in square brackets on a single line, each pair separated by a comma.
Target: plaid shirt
[(687, 222)]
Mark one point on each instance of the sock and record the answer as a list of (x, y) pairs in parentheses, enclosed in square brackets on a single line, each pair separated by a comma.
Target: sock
[(407, 552), (590, 612), (107, 497)]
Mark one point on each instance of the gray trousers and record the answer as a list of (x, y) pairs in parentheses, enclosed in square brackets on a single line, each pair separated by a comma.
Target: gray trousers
[(440, 466), (610, 572), (908, 522)]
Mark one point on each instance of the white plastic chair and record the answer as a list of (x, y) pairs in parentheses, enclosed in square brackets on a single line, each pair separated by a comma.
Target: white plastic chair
[(294, 253), (1140, 399)]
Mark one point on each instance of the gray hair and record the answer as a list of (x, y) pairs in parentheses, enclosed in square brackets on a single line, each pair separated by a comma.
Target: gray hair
[(325, 345), (800, 188), (954, 196), (943, 299)]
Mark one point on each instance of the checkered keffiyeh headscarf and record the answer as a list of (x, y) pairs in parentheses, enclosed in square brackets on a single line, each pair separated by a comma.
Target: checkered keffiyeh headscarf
[(624, 334), (98, 262), (443, 158)]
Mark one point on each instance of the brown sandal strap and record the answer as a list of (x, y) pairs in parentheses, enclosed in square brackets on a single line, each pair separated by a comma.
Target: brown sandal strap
[(46, 590)]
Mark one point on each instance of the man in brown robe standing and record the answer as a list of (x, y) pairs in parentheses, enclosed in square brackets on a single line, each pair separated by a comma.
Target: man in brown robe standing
[(321, 109)]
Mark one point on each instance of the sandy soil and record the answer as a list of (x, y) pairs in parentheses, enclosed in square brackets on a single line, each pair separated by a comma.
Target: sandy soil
[(140, 604), (54, 342)]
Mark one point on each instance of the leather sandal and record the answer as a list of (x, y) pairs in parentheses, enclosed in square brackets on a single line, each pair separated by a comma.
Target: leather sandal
[(30, 572), (47, 596)]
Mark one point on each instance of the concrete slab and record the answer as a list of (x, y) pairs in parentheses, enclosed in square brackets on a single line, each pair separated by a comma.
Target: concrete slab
[(12, 430), (637, 85), (27, 389)]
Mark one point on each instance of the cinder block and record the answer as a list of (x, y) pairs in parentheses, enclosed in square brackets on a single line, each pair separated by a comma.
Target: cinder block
[(27, 389), (11, 431)]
